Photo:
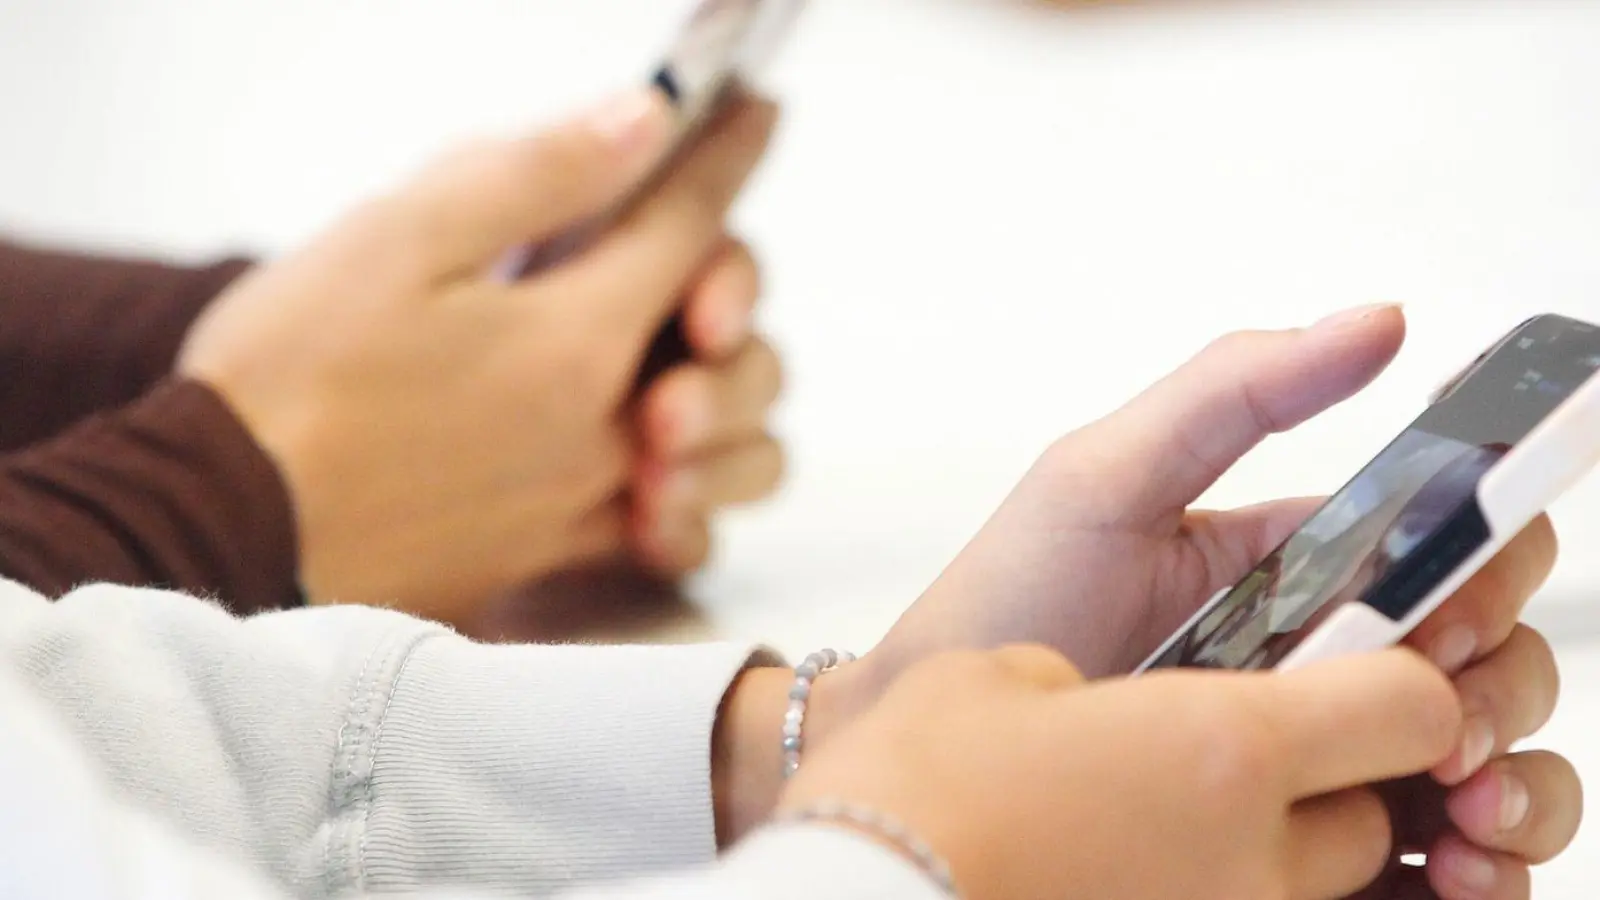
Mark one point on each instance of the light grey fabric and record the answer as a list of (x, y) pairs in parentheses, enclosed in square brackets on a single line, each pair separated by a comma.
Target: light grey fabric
[(176, 751)]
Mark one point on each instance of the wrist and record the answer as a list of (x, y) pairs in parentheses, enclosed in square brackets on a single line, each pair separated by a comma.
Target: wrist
[(747, 752)]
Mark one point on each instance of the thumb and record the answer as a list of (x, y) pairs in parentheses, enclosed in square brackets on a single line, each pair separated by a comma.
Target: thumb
[(1156, 455), (1359, 719), (469, 208)]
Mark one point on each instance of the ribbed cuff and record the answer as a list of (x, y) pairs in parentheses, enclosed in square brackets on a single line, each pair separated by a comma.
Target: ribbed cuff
[(530, 769)]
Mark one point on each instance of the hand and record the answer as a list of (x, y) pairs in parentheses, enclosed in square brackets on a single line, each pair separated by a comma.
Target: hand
[(1096, 551), (444, 435), (1174, 786), (704, 443), (1483, 832), (1097, 554)]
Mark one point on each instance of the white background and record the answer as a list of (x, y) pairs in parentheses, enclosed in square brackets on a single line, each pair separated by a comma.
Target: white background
[(984, 223)]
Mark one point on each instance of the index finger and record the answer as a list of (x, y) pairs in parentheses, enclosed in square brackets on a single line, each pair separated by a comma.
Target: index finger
[(1360, 719), (640, 266), (1177, 437)]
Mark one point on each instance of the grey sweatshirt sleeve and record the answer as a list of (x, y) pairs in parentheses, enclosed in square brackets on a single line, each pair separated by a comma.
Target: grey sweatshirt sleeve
[(64, 834), (349, 750)]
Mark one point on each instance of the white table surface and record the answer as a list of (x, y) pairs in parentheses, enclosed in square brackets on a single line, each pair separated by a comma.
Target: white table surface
[(985, 223)]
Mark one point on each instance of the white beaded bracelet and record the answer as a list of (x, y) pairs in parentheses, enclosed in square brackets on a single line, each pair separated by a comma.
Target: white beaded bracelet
[(809, 670), (883, 827)]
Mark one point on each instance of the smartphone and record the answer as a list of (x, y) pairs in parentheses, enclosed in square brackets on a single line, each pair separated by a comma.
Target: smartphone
[(723, 45), (1499, 442)]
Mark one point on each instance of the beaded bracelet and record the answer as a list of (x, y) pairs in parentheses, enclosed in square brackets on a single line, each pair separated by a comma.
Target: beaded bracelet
[(809, 670), (883, 827)]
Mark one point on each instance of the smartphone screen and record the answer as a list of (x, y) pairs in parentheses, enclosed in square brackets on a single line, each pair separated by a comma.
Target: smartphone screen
[(1407, 519)]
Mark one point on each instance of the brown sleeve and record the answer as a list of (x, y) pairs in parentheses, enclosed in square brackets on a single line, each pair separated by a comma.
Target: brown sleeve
[(169, 491), (82, 334)]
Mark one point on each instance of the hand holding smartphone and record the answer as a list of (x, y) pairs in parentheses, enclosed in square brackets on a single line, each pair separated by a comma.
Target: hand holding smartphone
[(723, 45), (1499, 443)]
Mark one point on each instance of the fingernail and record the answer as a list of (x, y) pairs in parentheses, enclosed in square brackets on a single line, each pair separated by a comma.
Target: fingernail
[(1476, 745), (1453, 649), (1352, 316), (1469, 869), (1514, 802), (632, 120)]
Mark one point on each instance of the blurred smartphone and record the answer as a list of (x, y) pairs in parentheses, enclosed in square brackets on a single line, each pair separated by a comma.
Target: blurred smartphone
[(1499, 443), (723, 45)]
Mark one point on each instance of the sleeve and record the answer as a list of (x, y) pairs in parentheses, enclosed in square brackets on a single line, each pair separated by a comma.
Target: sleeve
[(169, 491), (63, 834), (800, 862), (348, 749), (89, 333)]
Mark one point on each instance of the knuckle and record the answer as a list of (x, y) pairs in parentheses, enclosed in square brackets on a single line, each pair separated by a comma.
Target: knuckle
[(975, 666), (940, 674), (689, 388), (1544, 544), (1233, 344), (699, 554), (682, 384), (1556, 811), (1493, 591), (737, 272), (776, 463), (1039, 663), (1428, 702), (1063, 462), (695, 546), (1547, 671), (765, 372), (1371, 834), (1234, 748), (1539, 687), (1517, 687)]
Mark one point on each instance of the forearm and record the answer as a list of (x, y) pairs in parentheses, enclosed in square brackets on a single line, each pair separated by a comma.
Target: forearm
[(170, 491), (67, 833), (82, 334), (350, 748)]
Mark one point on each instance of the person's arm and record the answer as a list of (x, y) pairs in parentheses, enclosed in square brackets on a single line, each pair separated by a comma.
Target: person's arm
[(63, 833), (84, 334), (354, 748), (170, 490)]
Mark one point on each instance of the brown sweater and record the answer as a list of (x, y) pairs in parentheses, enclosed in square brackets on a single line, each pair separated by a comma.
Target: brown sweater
[(111, 470)]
